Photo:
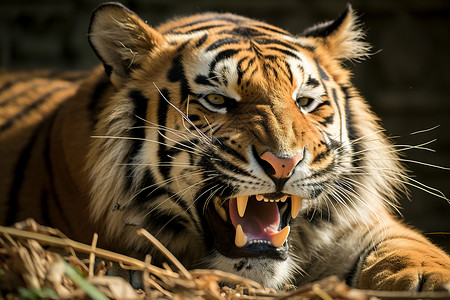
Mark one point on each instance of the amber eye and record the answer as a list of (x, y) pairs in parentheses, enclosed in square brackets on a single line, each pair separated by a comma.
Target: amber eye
[(214, 99), (307, 104), (216, 102), (304, 101)]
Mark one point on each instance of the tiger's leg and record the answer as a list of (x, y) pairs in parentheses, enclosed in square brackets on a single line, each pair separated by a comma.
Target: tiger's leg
[(405, 260)]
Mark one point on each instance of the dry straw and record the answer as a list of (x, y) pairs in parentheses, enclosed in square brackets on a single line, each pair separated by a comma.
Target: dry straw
[(40, 262)]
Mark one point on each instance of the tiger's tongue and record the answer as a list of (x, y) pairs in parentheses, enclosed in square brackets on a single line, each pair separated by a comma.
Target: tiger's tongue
[(260, 221)]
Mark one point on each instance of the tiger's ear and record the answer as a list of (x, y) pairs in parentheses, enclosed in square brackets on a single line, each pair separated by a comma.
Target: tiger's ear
[(121, 39), (343, 37)]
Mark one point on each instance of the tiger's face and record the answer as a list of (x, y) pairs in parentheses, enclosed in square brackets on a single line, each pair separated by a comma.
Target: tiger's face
[(270, 137), (232, 130)]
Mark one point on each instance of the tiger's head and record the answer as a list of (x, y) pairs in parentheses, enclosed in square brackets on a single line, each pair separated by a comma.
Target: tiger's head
[(225, 137)]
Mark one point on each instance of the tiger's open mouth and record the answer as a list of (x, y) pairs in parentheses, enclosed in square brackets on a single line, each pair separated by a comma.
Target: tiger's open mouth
[(253, 226)]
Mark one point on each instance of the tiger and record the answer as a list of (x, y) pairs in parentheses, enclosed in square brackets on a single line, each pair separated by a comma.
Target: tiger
[(238, 145)]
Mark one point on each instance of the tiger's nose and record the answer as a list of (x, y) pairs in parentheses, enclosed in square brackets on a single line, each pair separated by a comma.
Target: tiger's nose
[(280, 167)]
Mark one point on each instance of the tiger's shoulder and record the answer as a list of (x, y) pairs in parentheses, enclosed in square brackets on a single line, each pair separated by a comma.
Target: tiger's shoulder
[(29, 102)]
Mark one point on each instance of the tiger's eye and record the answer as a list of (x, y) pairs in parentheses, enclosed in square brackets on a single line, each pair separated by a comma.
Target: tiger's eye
[(304, 101), (215, 99)]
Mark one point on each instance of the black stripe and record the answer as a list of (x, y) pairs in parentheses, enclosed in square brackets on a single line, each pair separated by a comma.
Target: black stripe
[(202, 79), (352, 134), (202, 40), (312, 82), (137, 131), (359, 260), (175, 74), (242, 71), (161, 218), (243, 32), (7, 85), (267, 67), (327, 120), (349, 114), (306, 47), (22, 93), (231, 166), (289, 72), (145, 194), (267, 41), (30, 108), (194, 118), (322, 73), (273, 29), (205, 28), (234, 153), (335, 98), (58, 75), (201, 21), (183, 45), (221, 42), (220, 181), (19, 175), (163, 107), (52, 186), (176, 198), (225, 54), (272, 58), (190, 24), (332, 145), (326, 102), (321, 156), (94, 106)]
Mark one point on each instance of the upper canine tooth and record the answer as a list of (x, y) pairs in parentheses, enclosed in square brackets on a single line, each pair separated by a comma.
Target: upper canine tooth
[(241, 204), (280, 237), (259, 197), (240, 240), (296, 204)]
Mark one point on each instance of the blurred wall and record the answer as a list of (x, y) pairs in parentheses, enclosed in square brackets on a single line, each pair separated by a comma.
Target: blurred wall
[(406, 80)]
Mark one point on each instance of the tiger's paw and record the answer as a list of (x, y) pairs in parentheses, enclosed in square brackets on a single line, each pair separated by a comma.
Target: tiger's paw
[(417, 280), (410, 279)]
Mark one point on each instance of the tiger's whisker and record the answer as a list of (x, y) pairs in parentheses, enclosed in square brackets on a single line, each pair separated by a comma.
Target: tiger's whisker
[(178, 143), (141, 139), (160, 185), (417, 185), (179, 193), (424, 130)]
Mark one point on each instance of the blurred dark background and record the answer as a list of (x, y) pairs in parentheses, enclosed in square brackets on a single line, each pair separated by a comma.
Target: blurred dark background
[(406, 81)]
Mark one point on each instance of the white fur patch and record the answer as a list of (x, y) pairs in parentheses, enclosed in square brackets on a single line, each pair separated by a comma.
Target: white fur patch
[(271, 273)]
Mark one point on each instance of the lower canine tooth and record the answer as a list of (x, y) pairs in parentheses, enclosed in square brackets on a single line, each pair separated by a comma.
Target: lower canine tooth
[(279, 238), (296, 204), (240, 240), (241, 205)]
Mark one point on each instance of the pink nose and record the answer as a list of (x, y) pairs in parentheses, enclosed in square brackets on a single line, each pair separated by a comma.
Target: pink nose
[(282, 167)]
